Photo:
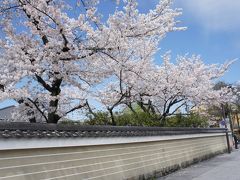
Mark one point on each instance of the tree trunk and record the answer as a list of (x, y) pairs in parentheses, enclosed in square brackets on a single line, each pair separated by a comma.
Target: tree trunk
[(53, 117), (141, 105), (131, 108), (162, 119), (112, 117)]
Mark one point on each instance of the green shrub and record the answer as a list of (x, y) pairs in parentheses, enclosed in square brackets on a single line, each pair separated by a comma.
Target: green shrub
[(99, 118), (137, 119), (124, 118), (192, 120), (140, 118)]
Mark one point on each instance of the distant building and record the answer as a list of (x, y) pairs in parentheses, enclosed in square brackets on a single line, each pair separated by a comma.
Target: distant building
[(6, 113)]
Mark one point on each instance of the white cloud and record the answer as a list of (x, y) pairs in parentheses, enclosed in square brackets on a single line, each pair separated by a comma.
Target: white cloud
[(213, 15)]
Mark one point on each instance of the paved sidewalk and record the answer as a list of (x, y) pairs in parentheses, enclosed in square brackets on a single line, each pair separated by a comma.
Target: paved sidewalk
[(222, 167)]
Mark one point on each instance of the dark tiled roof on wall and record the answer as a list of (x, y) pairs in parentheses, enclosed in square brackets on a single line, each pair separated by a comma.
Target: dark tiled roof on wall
[(36, 130)]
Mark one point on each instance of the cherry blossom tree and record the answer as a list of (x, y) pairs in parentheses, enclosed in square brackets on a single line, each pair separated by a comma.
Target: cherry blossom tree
[(164, 89), (222, 106), (51, 61), (187, 83), (122, 89)]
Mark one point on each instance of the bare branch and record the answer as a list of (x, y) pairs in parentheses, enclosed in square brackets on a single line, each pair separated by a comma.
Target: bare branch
[(37, 107), (77, 107)]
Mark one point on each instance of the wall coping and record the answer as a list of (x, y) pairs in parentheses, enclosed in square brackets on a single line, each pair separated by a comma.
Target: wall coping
[(38, 130)]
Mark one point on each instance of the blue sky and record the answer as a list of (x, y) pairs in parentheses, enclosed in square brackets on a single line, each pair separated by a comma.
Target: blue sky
[(213, 32)]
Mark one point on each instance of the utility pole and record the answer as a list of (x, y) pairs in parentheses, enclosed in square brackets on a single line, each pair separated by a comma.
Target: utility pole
[(227, 136)]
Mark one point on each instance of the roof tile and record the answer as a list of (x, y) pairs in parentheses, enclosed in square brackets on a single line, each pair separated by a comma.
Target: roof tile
[(33, 130)]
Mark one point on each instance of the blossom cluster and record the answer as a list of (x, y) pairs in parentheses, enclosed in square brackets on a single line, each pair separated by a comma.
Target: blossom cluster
[(52, 62)]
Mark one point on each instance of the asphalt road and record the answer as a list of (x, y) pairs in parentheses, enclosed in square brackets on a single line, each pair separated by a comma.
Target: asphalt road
[(222, 167)]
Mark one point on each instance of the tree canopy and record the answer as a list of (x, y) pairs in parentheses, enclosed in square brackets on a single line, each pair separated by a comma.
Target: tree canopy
[(52, 63)]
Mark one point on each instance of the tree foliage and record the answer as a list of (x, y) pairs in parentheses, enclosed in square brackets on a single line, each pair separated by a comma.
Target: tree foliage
[(53, 63)]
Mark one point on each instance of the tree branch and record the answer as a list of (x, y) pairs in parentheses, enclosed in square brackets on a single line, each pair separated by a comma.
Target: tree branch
[(37, 107), (43, 83), (2, 88), (77, 107), (9, 8)]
